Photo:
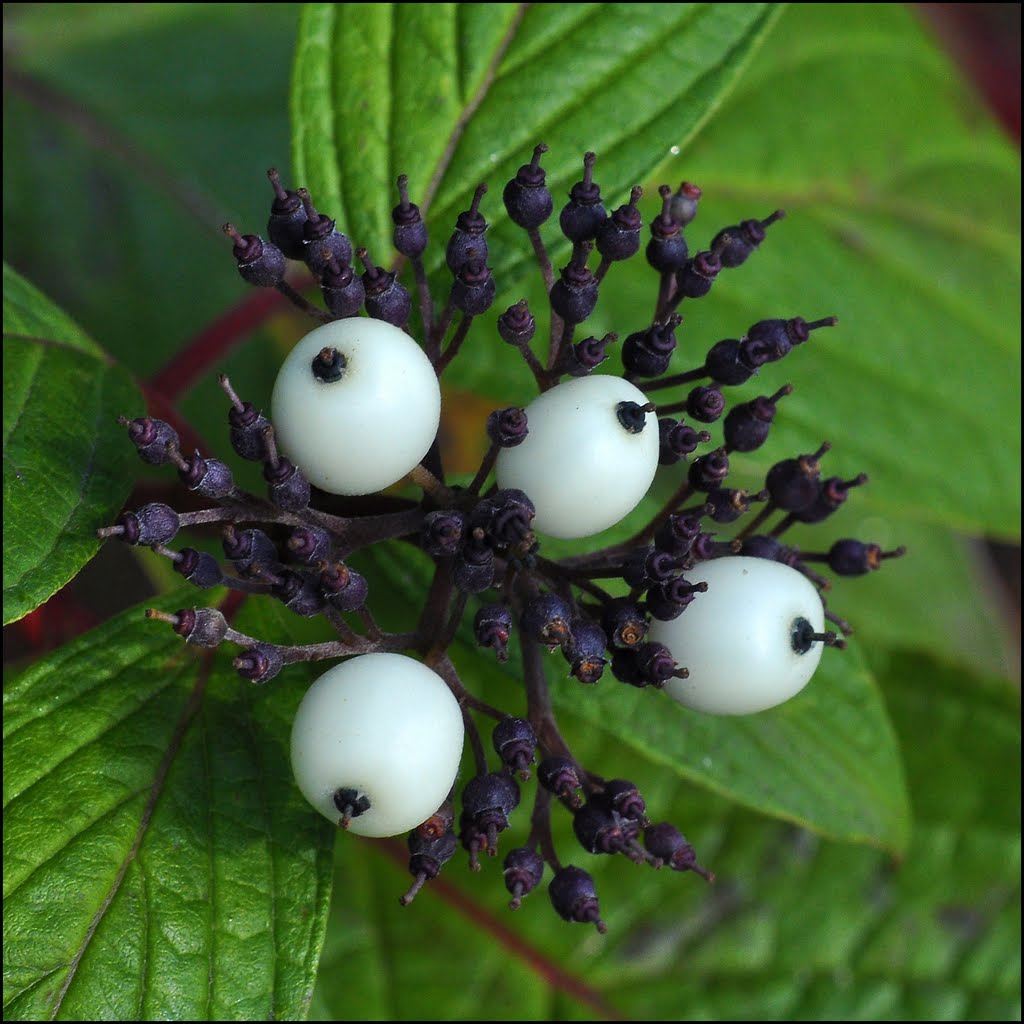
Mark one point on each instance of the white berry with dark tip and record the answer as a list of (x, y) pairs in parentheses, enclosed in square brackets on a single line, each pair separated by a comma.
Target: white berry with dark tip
[(589, 457), (356, 405), (746, 641), (384, 730)]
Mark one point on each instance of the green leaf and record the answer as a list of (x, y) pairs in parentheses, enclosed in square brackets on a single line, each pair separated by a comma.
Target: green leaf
[(66, 464), (159, 863), (795, 928), (452, 94)]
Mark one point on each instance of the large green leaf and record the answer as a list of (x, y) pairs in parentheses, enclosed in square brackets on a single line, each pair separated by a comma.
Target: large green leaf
[(795, 928), (158, 861), (66, 466), (452, 94)]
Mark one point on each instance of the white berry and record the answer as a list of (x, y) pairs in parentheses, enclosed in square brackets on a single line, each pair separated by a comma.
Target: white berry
[(367, 429), (581, 467), (385, 727), (737, 639)]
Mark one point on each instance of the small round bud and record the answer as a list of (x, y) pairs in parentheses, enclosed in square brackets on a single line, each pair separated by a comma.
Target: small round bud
[(152, 438), (574, 898), (526, 196), (410, 235), (507, 427), (524, 869), (743, 239), (492, 627), (259, 663), (583, 215), (287, 218), (514, 742), (517, 325), (260, 263)]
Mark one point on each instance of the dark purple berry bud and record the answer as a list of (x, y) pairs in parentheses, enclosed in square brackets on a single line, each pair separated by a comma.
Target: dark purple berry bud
[(705, 547), (209, 477), (668, 600), (298, 594), (746, 425), (646, 565), (508, 514), (601, 830), (779, 336), (323, 242), (574, 898), (560, 776), (849, 557), (309, 544), (583, 215), (678, 440), (667, 250), (618, 237), (624, 622), (386, 298), (154, 523), (248, 425), (248, 548), (492, 626), (585, 651), (684, 203), (793, 483), (442, 532), (342, 289), (410, 235), (726, 362), (728, 503), (517, 325), (259, 663), (647, 353), (526, 196), (524, 868), (287, 488), (622, 796), (468, 234), (202, 627), (507, 427), (199, 568), (474, 289), (667, 843), (698, 274), (763, 545), (343, 588), (650, 664), (287, 219), (514, 742), (743, 239), (574, 295), (588, 354), (427, 857), (708, 471), (677, 534), (547, 618), (260, 263), (437, 824), (151, 438), (705, 403), (832, 494), (487, 801), (473, 571)]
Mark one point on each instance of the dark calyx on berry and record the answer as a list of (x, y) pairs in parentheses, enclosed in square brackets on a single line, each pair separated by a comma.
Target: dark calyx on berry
[(526, 196), (248, 425), (328, 365), (779, 336), (574, 898), (427, 855), (474, 289), (507, 427), (198, 567), (547, 618), (622, 796), (342, 289), (574, 295), (154, 523), (746, 426), (677, 534), (632, 416), (259, 663), (585, 651), (487, 801), (517, 325), (343, 588), (803, 637), (599, 829), (203, 627), (386, 298), (618, 237), (793, 483), (647, 353), (588, 354), (350, 803), (583, 215), (560, 776), (625, 623), (849, 557)]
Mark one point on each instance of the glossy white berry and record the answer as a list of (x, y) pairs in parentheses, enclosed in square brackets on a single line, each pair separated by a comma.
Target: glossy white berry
[(737, 639), (385, 727), (371, 426), (583, 469)]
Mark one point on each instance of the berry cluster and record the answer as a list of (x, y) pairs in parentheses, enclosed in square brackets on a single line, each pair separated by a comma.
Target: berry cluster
[(727, 626)]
